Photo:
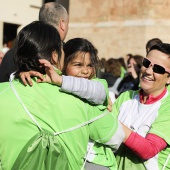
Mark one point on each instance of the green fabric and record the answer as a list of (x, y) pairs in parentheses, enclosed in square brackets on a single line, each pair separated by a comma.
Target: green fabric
[(122, 72), (126, 159), (121, 99), (55, 111), (168, 88), (104, 156), (42, 152), (104, 83), (1, 165), (160, 127)]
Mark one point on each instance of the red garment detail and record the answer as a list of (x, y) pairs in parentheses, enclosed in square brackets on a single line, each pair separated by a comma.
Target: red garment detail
[(147, 147), (151, 99)]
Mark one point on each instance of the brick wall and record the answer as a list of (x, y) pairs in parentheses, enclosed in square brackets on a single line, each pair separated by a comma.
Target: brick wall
[(118, 27)]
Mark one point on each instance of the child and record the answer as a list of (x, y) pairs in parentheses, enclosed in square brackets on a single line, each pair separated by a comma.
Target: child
[(80, 61), (80, 66)]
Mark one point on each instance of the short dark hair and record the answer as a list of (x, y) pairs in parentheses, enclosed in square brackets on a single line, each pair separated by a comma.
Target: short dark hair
[(113, 66), (75, 45), (51, 13), (36, 41), (138, 59), (152, 42), (163, 47)]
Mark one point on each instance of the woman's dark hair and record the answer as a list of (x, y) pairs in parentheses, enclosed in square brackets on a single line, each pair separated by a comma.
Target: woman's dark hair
[(138, 59), (152, 42), (75, 45), (162, 47), (122, 62), (113, 66), (36, 41)]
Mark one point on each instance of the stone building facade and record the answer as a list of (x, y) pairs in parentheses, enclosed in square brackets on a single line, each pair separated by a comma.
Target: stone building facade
[(116, 27)]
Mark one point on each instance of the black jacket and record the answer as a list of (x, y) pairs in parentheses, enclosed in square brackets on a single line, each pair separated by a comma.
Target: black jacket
[(128, 83), (7, 66), (109, 78)]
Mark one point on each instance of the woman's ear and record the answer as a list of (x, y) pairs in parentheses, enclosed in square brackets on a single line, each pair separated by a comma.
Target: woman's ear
[(54, 58), (168, 81)]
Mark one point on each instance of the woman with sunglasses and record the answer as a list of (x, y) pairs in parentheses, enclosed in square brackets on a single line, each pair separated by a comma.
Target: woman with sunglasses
[(146, 115)]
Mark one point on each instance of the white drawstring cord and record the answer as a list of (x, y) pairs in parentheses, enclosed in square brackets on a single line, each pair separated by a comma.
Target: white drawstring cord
[(83, 124), (87, 156), (12, 76), (166, 162)]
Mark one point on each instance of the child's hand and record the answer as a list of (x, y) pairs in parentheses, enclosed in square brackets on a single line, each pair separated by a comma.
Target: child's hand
[(51, 75), (26, 76), (132, 71), (109, 107)]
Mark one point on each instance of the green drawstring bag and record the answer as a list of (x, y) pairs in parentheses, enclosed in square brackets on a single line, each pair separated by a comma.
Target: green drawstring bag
[(42, 152), (127, 160)]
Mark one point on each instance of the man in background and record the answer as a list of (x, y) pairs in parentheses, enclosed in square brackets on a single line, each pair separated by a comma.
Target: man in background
[(51, 13), (151, 42)]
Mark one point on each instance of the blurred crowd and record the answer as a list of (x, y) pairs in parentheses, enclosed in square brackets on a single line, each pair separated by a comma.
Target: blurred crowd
[(121, 74), (73, 111), (5, 48)]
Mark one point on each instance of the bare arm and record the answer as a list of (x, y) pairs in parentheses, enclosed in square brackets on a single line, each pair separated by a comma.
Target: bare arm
[(93, 91)]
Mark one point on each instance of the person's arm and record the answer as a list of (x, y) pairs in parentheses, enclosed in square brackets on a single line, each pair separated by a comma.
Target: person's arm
[(132, 71), (116, 140), (106, 130), (91, 90), (146, 147)]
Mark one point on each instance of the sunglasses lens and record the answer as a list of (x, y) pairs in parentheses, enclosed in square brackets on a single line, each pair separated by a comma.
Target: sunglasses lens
[(158, 69), (146, 63)]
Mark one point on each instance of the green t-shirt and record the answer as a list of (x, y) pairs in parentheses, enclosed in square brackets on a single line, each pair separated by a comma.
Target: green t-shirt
[(143, 119), (105, 85), (54, 111)]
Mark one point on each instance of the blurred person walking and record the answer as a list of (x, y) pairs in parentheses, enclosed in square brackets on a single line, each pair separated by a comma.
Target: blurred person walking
[(131, 79), (152, 42)]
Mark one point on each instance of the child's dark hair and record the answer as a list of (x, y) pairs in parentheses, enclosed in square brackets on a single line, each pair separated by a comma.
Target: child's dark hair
[(79, 45)]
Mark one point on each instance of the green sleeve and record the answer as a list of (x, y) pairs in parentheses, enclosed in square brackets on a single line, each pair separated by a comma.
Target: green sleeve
[(104, 82)]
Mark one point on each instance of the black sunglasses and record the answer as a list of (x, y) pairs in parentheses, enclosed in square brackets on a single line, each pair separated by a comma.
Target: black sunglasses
[(155, 67)]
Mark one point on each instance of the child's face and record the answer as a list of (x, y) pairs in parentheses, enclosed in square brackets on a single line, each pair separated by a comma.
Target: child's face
[(80, 66)]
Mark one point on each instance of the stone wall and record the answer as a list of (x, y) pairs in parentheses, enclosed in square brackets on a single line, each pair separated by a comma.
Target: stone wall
[(19, 12), (118, 27)]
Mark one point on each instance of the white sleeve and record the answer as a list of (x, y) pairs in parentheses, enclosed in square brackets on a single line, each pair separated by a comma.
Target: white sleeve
[(91, 90), (117, 138)]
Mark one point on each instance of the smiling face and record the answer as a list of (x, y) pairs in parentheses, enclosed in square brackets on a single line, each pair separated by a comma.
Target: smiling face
[(134, 63), (80, 66), (154, 83)]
